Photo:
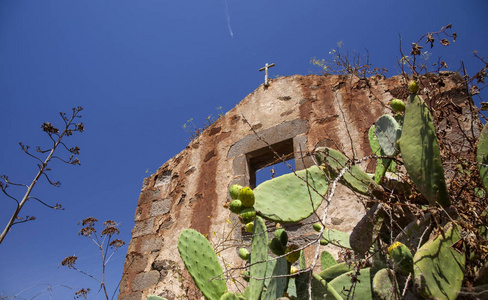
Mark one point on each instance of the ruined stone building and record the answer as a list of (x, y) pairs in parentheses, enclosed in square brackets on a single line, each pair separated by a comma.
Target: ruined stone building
[(294, 115)]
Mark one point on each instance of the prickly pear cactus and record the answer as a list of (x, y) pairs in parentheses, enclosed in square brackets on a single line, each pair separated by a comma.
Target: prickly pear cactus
[(327, 260), (354, 289), (335, 271), (281, 235), (367, 229), (231, 296), (320, 288), (354, 178), (288, 198), (482, 156), (259, 256), (337, 238), (439, 267), (202, 263), (277, 247), (277, 285), (402, 257), (421, 154), (388, 132), (385, 286), (382, 164)]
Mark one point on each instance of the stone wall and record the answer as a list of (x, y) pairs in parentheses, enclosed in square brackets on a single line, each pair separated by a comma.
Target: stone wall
[(295, 115)]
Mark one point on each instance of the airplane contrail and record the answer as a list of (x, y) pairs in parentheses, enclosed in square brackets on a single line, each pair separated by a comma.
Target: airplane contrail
[(227, 15)]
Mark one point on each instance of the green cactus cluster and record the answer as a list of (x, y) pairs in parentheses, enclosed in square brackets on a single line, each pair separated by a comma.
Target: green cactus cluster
[(376, 258)]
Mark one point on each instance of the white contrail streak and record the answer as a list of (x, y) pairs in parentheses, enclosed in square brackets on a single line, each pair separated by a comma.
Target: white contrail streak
[(227, 15)]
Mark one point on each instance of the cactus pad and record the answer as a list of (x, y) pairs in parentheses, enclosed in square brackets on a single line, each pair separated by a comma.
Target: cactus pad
[(385, 286), (202, 263), (382, 164), (327, 260), (337, 238), (402, 257), (388, 132), (231, 296), (360, 289), (320, 288), (421, 153), (354, 178), (335, 271), (438, 267), (277, 285), (288, 198), (482, 156), (259, 250), (367, 229)]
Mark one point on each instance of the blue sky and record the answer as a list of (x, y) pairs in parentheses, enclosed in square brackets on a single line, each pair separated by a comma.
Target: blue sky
[(141, 69)]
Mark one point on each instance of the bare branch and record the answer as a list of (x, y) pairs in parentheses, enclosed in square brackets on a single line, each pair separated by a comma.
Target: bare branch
[(43, 166)]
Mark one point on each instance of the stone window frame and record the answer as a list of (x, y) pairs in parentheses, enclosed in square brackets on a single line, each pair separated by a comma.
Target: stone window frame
[(251, 153)]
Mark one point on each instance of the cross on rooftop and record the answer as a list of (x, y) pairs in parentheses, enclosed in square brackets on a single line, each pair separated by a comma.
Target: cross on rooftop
[(265, 69)]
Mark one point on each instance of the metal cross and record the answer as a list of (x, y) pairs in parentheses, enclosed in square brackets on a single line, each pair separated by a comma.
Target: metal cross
[(265, 69)]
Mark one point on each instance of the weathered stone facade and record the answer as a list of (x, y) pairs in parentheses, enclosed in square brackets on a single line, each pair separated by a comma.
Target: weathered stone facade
[(295, 115)]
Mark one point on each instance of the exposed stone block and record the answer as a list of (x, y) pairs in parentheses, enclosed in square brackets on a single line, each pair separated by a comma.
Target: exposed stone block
[(160, 207), (143, 227), (144, 281)]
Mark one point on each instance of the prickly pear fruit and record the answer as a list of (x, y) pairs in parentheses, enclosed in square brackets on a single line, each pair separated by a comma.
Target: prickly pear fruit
[(245, 275), (402, 257), (277, 247), (317, 227), (282, 236), (294, 255), (244, 253), (293, 270), (247, 215), (236, 206), (413, 86), (246, 195), (397, 105), (249, 227), (234, 191), (399, 118)]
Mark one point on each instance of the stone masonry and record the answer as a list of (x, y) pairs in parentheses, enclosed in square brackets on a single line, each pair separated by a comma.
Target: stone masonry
[(294, 115)]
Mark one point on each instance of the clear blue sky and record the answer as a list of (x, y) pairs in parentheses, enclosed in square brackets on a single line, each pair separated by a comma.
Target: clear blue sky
[(141, 69)]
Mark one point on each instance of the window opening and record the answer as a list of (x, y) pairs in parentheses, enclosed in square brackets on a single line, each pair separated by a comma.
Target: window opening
[(273, 171), (264, 161)]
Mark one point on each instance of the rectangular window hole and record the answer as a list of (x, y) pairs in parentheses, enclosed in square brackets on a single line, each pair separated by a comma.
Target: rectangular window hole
[(263, 162)]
